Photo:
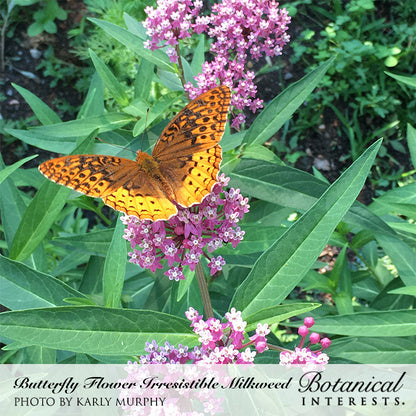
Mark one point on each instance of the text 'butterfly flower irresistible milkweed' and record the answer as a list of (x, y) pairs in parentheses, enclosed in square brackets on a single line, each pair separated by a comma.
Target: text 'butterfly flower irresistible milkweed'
[(182, 169)]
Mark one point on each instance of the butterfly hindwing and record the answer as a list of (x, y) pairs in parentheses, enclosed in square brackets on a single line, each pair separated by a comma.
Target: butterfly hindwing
[(193, 177), (143, 198)]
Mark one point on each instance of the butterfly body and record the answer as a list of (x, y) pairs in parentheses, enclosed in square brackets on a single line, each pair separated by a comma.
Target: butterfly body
[(181, 170)]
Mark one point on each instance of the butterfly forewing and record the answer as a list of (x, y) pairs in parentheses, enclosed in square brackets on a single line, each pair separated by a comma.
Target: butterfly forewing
[(118, 181), (200, 125), (93, 175)]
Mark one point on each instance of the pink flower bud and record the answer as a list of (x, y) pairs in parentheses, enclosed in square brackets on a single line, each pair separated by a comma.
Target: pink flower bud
[(303, 331), (325, 342), (314, 338), (309, 321)]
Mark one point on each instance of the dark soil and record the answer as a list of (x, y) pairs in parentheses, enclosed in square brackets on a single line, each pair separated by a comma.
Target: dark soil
[(23, 54)]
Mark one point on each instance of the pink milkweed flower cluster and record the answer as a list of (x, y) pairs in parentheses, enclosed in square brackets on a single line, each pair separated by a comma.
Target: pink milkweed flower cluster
[(221, 343), (171, 21), (189, 234), (303, 356), (241, 30)]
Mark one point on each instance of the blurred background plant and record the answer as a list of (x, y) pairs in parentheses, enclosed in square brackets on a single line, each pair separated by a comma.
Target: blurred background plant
[(367, 37)]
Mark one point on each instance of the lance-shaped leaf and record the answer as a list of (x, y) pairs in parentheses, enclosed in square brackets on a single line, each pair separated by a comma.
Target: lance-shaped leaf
[(4, 173), (110, 81), (278, 111), (95, 330), (115, 267), (22, 287), (135, 44), (62, 137), (371, 324), (280, 268), (375, 350), (44, 114), (293, 188)]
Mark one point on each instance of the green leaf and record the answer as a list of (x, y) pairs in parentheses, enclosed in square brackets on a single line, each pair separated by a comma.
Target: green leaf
[(91, 282), (115, 267), (95, 330), (70, 262), (28, 177), (339, 268), (39, 355), (411, 143), (114, 87), (278, 111), (400, 200), (198, 56), (399, 323), (62, 137), (384, 301), (22, 287), (280, 268), (12, 208), (38, 219), (402, 256), (135, 44), (24, 2), (375, 350), (94, 102), (169, 79), (82, 128), (280, 185), (257, 238), (158, 299), (343, 303), (95, 242), (276, 314), (35, 29), (134, 26), (184, 284), (410, 81), (295, 189), (259, 152), (80, 301), (408, 290), (4, 173), (44, 114), (143, 81), (231, 141), (87, 203)]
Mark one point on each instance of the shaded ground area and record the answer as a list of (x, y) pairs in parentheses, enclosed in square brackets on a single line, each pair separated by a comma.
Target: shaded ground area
[(23, 54)]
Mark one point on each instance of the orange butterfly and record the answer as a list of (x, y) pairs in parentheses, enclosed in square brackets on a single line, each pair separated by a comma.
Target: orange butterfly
[(182, 169)]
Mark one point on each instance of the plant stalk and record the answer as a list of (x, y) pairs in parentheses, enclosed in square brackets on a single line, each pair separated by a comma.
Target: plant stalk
[(181, 72), (2, 41), (203, 288)]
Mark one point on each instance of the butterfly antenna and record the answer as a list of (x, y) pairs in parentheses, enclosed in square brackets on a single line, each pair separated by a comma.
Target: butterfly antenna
[(145, 127)]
